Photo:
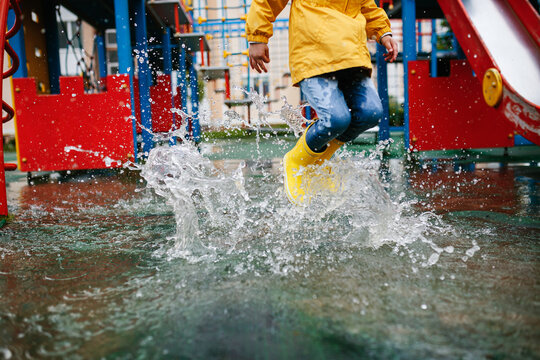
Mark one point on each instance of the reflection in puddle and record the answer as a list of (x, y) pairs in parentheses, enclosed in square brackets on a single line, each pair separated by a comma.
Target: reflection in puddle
[(208, 258)]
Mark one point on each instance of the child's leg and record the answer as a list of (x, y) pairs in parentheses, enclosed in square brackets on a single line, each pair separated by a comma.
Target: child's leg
[(324, 95), (365, 105)]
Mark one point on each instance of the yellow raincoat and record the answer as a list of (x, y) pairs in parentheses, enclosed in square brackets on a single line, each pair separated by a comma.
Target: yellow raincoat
[(324, 35)]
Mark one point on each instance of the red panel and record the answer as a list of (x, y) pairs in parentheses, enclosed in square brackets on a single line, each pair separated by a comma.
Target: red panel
[(73, 130), (162, 116), (450, 112)]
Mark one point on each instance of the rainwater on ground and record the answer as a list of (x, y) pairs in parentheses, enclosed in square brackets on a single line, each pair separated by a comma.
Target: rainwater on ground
[(198, 254)]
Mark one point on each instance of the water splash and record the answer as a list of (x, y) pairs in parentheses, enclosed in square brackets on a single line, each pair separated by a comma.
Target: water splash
[(222, 212), (106, 159), (290, 115), (195, 189)]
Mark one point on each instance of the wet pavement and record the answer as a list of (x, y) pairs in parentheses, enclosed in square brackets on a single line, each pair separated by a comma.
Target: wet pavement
[(426, 259)]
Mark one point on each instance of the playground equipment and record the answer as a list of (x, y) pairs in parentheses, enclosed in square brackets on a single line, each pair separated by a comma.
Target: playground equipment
[(72, 123), (225, 26), (138, 100), (163, 45), (68, 123), (489, 94), (506, 40), (5, 6)]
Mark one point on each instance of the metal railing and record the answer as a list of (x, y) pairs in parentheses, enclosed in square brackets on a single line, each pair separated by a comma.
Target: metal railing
[(5, 6)]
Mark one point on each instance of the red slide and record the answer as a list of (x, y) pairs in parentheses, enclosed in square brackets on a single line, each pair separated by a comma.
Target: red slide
[(501, 39)]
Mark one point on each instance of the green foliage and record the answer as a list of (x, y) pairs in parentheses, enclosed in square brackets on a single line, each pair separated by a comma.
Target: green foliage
[(396, 112), (9, 144), (5, 220), (445, 42), (225, 134), (201, 86)]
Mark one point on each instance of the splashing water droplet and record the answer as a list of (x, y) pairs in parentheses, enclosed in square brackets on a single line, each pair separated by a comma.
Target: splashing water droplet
[(227, 210)]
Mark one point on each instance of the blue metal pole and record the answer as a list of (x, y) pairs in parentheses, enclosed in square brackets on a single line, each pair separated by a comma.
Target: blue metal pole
[(408, 10), (167, 53), (247, 44), (455, 44), (102, 59), (182, 82), (125, 61), (382, 87), (194, 103), (141, 45), (433, 48), (248, 77), (17, 43), (223, 39), (457, 48), (123, 37), (167, 69), (420, 36), (53, 47)]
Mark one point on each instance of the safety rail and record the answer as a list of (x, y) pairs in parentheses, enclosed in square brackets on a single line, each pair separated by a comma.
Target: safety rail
[(12, 4), (5, 6)]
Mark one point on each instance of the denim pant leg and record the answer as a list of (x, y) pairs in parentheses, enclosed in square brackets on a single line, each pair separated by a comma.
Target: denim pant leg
[(324, 95), (365, 105)]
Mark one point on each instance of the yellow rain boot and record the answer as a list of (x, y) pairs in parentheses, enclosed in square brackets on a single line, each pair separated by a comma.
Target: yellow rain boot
[(295, 160), (322, 179), (332, 147)]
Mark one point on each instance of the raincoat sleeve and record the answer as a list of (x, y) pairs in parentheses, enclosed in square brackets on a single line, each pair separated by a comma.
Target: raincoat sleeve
[(377, 23), (261, 15)]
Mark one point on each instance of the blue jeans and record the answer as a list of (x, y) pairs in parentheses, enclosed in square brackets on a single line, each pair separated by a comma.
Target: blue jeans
[(347, 105)]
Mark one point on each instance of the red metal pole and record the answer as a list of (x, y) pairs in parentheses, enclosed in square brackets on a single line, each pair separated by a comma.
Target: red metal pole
[(389, 2), (208, 58), (227, 86), (4, 7), (201, 43), (176, 19)]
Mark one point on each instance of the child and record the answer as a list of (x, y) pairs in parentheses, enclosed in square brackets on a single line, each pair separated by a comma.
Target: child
[(330, 61)]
